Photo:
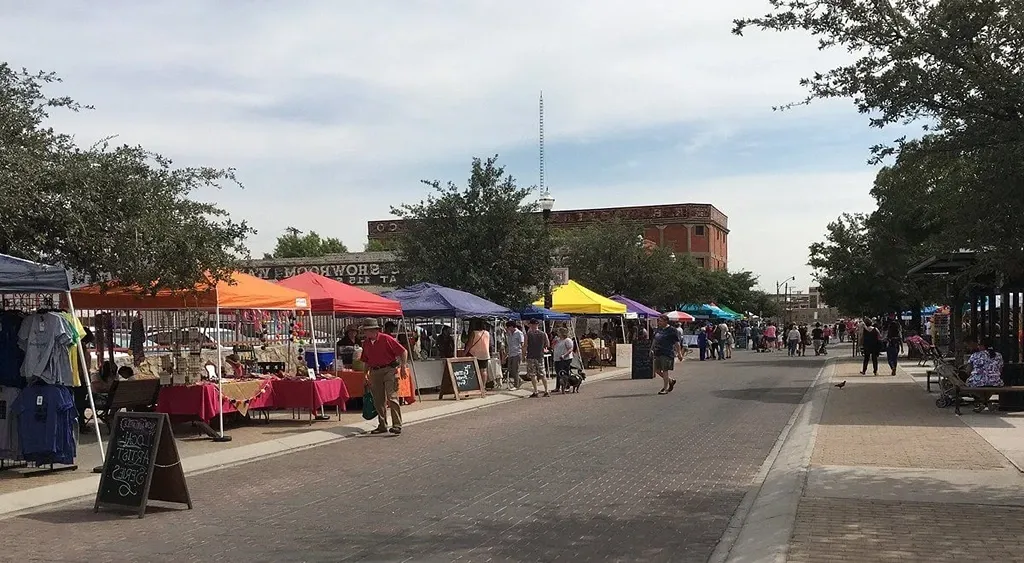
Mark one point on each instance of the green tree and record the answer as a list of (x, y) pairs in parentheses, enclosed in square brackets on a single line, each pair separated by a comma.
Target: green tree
[(378, 245), (610, 258), (486, 238), (947, 65), (104, 212), (296, 244)]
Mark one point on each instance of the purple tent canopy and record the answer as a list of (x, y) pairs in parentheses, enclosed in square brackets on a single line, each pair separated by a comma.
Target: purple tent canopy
[(432, 300), (641, 310)]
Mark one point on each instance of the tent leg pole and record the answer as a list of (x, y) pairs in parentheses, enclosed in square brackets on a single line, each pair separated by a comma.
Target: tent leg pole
[(220, 437), (84, 369)]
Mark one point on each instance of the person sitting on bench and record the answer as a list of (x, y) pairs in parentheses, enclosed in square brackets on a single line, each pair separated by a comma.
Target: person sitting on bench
[(986, 366)]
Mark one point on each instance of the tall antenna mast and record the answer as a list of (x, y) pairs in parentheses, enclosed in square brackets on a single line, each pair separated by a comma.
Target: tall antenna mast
[(543, 190)]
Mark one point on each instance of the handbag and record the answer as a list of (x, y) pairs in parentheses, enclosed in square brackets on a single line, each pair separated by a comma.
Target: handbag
[(369, 412)]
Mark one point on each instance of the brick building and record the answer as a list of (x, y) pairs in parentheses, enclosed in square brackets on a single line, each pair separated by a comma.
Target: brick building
[(696, 229)]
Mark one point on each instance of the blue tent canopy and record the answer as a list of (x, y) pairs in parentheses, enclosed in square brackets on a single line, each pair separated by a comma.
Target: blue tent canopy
[(704, 310), (432, 300), (542, 314), (23, 276)]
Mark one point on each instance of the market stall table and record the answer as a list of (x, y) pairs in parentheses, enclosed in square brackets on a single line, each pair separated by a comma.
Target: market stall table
[(198, 403), (306, 394), (355, 381)]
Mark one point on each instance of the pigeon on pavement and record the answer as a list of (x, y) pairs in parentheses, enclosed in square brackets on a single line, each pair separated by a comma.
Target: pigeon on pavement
[(841, 384)]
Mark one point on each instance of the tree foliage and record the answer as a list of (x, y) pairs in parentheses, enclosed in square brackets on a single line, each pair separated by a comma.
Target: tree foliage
[(296, 244), (104, 212), (956, 67), (611, 258), (378, 245), (485, 238)]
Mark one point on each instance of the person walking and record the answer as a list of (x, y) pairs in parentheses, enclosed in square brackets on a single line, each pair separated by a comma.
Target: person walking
[(562, 352), (537, 343), (702, 344), (382, 356), (818, 339), (665, 348), (730, 342), (516, 339), (793, 340), (721, 334), (893, 344), (871, 345)]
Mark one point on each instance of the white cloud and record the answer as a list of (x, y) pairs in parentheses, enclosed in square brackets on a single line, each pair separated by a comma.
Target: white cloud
[(333, 110)]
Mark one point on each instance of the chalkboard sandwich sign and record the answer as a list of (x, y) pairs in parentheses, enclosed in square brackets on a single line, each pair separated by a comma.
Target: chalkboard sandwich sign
[(142, 464), (643, 364), (462, 378)]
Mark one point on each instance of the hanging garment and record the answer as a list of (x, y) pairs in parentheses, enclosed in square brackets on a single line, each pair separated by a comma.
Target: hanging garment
[(11, 355), (9, 448), (45, 340), (138, 338), (74, 326), (46, 420)]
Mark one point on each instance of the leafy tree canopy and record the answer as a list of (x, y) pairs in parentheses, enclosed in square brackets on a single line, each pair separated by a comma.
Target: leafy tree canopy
[(104, 212), (610, 258), (485, 238), (378, 245), (956, 64), (296, 244), (955, 67)]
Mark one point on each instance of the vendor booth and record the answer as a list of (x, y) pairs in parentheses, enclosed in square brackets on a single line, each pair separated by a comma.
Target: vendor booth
[(202, 400), (33, 293), (574, 299), (444, 308), (639, 309), (337, 300)]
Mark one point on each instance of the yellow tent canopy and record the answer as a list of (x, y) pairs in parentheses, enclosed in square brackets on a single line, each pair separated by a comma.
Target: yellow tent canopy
[(575, 299)]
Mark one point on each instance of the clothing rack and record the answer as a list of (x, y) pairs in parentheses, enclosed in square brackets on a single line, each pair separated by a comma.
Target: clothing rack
[(27, 286)]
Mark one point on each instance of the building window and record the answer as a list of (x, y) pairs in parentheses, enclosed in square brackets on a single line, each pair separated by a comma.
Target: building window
[(700, 261), (699, 230)]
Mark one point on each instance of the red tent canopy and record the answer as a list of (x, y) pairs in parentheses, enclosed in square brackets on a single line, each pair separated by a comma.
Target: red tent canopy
[(331, 296)]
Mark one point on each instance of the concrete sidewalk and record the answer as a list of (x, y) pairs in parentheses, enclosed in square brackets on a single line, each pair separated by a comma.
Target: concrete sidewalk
[(887, 476), (250, 443)]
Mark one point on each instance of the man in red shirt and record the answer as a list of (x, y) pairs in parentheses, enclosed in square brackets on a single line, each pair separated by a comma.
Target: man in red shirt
[(382, 356)]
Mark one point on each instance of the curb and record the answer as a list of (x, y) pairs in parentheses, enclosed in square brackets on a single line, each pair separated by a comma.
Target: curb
[(37, 498), (763, 523)]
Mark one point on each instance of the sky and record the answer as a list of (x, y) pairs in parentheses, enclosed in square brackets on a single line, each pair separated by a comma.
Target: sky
[(333, 111)]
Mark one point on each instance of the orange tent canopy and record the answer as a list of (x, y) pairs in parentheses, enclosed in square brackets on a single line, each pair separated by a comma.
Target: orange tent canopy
[(241, 292)]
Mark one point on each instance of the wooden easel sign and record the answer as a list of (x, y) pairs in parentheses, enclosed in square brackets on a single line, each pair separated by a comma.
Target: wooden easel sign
[(462, 378), (142, 464)]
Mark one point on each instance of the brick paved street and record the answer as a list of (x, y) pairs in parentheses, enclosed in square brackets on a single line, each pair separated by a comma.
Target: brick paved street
[(893, 478), (614, 474)]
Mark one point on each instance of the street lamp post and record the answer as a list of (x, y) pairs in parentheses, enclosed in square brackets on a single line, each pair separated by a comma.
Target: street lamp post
[(778, 286), (546, 204)]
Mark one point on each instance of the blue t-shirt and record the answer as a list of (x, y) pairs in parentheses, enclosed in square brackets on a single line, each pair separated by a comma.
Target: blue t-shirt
[(46, 418), (665, 340)]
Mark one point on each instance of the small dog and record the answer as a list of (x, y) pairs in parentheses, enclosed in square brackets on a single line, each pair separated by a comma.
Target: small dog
[(575, 380)]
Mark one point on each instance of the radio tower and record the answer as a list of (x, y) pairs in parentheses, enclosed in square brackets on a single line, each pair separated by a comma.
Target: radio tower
[(543, 190)]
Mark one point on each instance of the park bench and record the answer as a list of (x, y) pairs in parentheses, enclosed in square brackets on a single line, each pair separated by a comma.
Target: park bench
[(982, 396), (129, 394)]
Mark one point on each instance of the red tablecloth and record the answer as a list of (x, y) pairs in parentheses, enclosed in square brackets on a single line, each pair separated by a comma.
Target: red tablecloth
[(305, 394), (200, 401)]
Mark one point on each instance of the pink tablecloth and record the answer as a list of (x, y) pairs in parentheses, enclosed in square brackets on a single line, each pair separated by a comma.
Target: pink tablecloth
[(200, 401), (305, 394)]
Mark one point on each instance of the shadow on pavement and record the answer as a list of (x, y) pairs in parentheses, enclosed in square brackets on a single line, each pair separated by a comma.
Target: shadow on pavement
[(783, 395)]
